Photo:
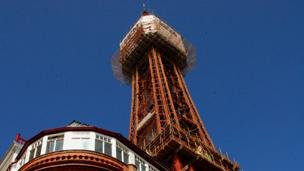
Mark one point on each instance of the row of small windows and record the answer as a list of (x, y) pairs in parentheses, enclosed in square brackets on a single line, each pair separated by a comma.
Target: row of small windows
[(103, 144), (53, 144)]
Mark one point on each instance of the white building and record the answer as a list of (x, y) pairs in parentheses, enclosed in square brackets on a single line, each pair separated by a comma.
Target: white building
[(78, 146)]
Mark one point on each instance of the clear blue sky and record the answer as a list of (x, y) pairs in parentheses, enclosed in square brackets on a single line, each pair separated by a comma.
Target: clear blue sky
[(55, 66)]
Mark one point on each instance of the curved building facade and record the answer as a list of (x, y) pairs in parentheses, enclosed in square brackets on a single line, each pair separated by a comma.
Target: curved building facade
[(81, 147)]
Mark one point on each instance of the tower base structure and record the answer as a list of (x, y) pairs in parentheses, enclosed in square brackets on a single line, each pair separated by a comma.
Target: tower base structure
[(177, 149)]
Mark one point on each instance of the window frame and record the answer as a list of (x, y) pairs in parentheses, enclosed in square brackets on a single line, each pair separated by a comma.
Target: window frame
[(104, 141), (142, 164), (54, 139), (34, 152), (124, 153)]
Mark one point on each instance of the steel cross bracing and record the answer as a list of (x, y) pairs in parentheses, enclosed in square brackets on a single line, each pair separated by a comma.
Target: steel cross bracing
[(164, 120), (159, 89), (160, 100)]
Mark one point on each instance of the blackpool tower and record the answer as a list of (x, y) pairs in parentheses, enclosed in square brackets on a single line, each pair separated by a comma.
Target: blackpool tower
[(164, 121)]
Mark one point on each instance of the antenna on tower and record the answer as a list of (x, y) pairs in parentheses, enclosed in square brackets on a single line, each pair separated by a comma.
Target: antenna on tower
[(144, 5)]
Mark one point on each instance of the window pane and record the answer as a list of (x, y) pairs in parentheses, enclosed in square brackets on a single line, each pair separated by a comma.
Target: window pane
[(143, 167), (50, 146), (59, 145), (126, 157), (32, 154), (98, 146), (119, 154), (108, 148), (137, 164), (38, 151)]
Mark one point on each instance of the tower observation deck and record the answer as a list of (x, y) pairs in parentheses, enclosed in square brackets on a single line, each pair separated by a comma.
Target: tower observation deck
[(150, 31), (164, 121)]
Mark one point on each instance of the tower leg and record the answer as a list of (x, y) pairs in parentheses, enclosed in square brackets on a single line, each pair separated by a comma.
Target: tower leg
[(177, 164)]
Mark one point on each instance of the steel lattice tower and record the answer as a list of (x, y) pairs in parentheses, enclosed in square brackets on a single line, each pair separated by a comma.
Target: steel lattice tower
[(164, 120)]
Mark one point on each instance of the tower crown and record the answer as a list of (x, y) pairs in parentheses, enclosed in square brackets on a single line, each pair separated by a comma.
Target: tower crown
[(150, 31), (147, 26)]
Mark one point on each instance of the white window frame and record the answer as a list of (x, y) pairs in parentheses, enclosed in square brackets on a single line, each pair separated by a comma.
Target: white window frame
[(141, 163), (54, 138), (34, 147), (103, 139), (124, 150)]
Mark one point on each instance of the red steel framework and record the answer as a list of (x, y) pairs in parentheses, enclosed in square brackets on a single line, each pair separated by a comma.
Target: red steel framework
[(164, 120)]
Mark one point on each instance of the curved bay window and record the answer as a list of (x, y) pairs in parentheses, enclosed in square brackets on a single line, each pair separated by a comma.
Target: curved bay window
[(54, 143), (84, 142)]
